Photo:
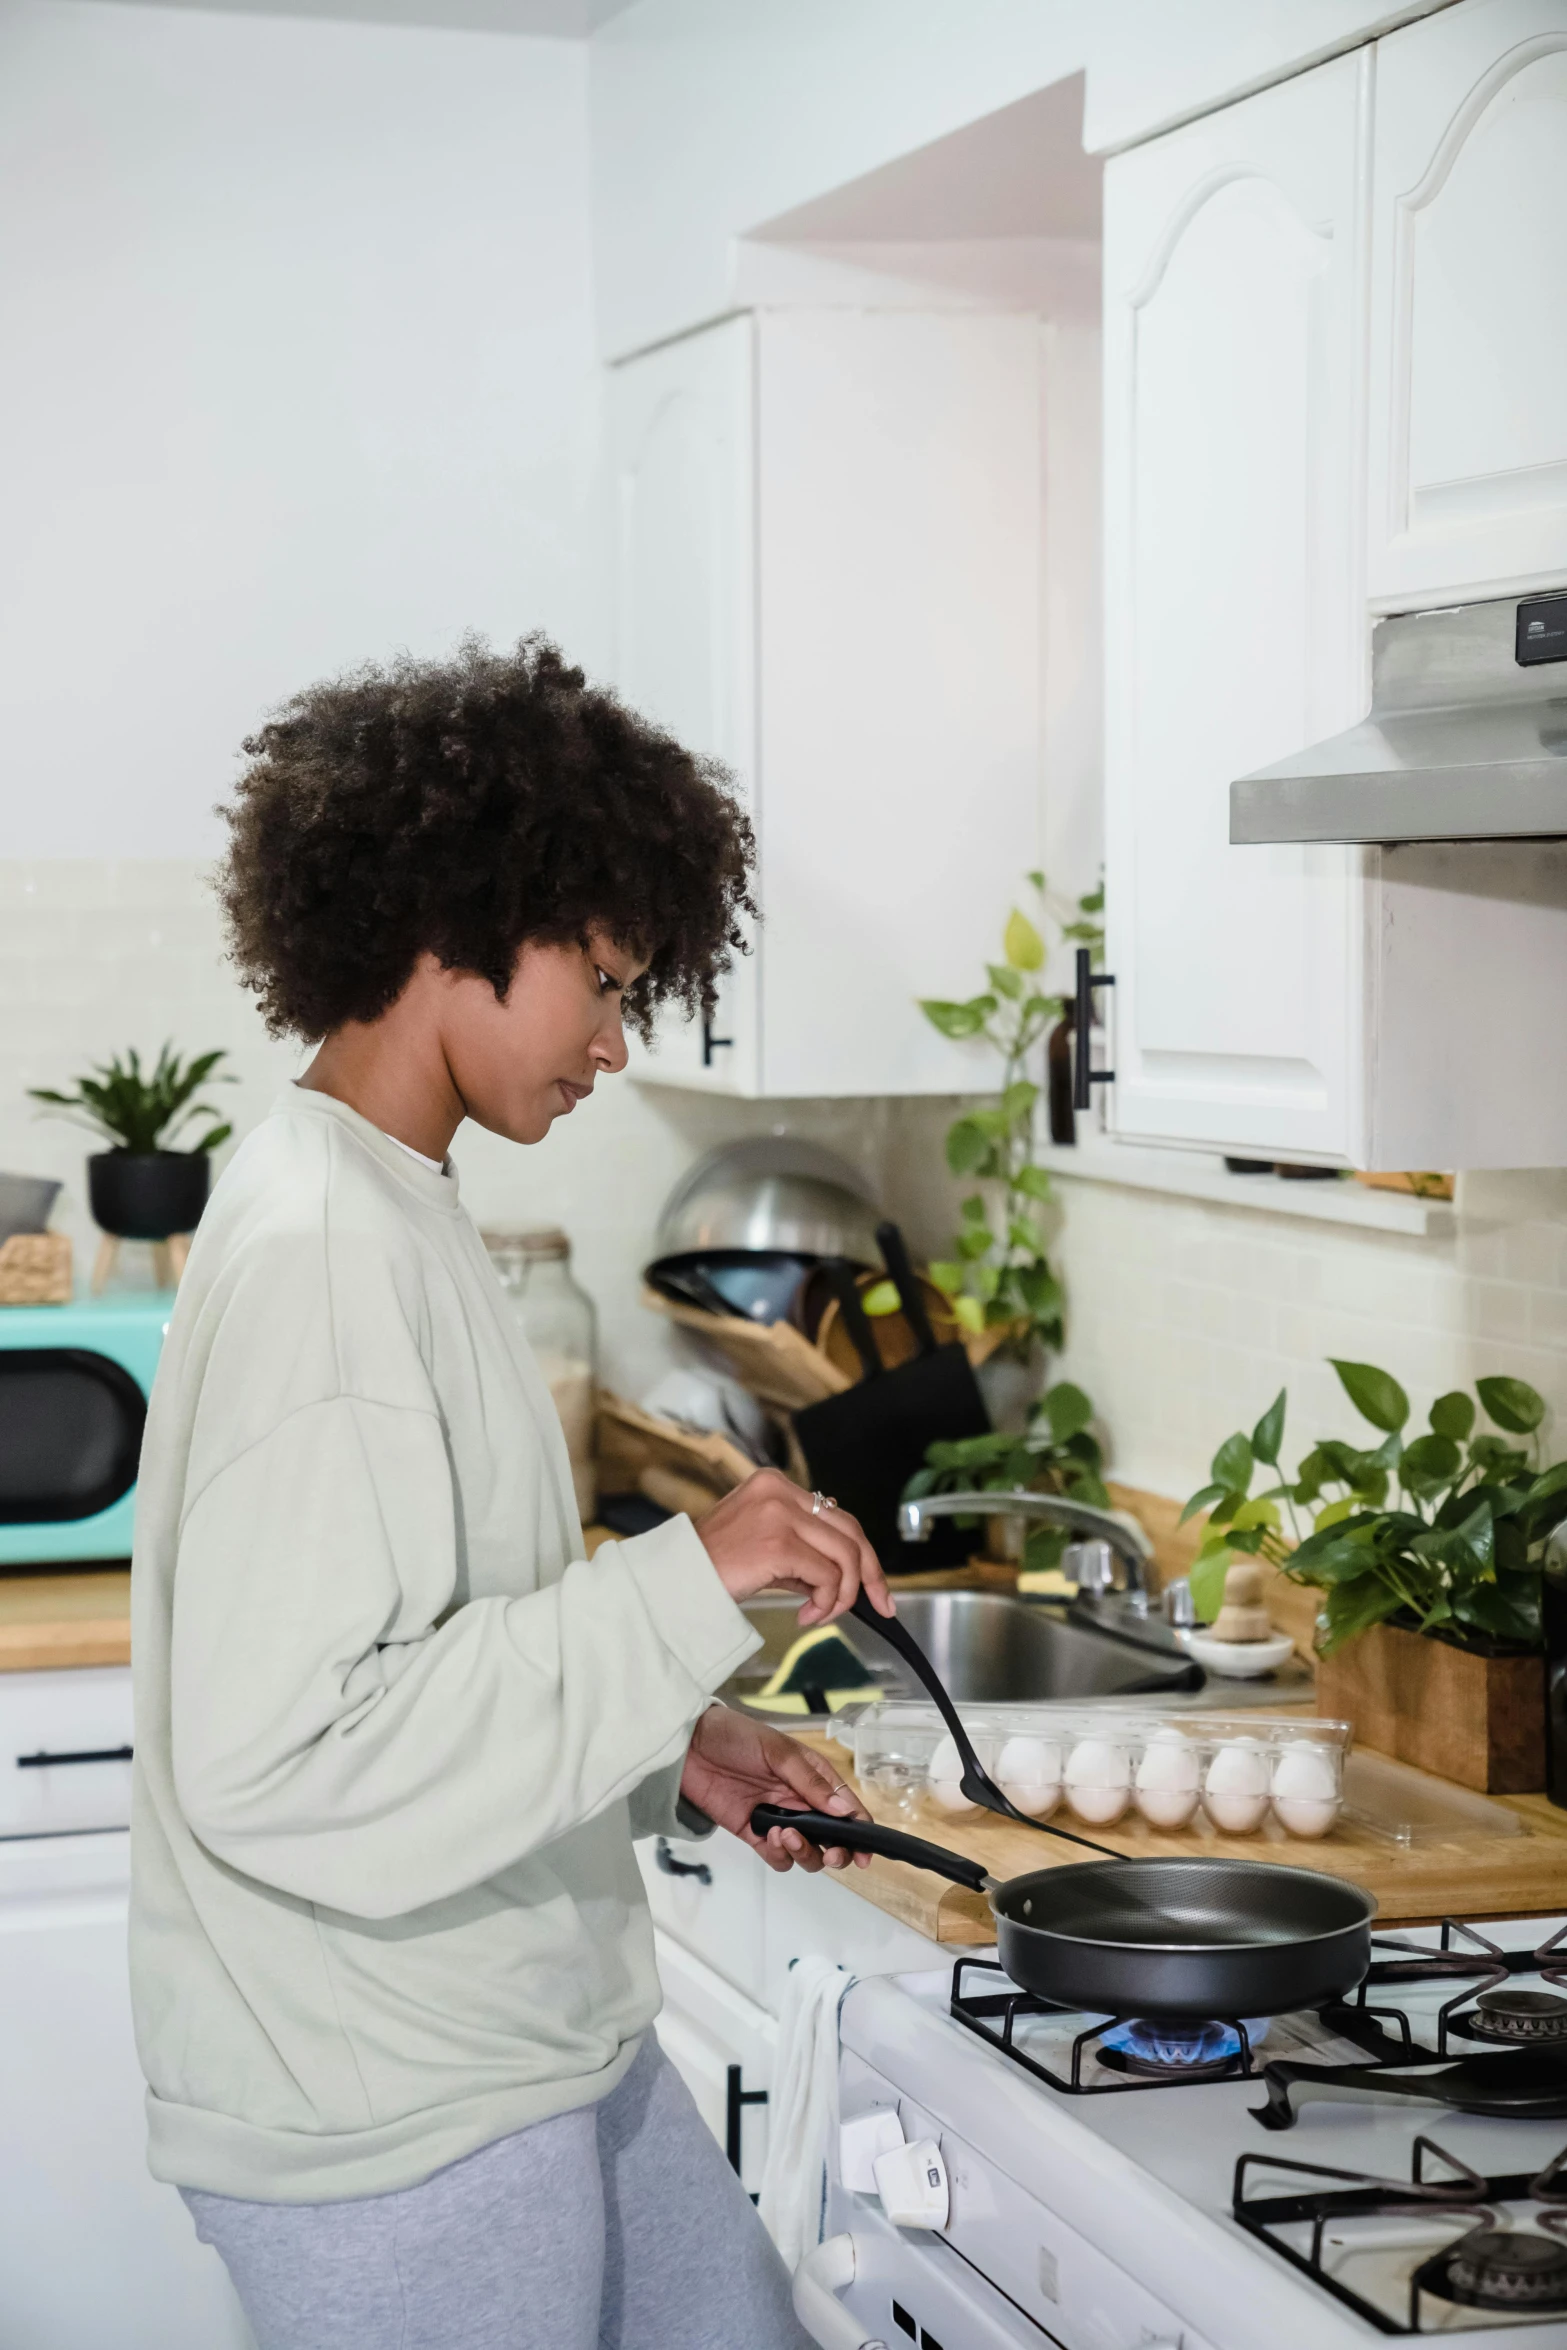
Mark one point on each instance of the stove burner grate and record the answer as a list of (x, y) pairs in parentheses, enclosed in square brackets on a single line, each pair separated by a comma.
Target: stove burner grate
[(1139, 2050), (1487, 2007), (1518, 2271)]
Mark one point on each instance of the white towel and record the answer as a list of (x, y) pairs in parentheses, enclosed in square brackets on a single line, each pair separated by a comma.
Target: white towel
[(802, 2107)]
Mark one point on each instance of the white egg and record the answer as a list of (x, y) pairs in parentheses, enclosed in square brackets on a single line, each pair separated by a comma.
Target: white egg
[(1305, 1788), (1029, 1770), (1235, 1791), (1167, 1780), (946, 1772), (1098, 1780)]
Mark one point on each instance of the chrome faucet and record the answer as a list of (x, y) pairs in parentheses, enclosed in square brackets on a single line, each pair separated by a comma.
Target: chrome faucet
[(1096, 1529)]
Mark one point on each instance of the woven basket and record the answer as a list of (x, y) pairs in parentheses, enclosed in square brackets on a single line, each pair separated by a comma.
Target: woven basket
[(35, 1269)]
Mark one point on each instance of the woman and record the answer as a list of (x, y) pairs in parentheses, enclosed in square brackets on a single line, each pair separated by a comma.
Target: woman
[(392, 1963)]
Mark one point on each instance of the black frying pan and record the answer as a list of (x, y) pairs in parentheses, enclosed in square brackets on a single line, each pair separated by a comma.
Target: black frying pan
[(1129, 1937)]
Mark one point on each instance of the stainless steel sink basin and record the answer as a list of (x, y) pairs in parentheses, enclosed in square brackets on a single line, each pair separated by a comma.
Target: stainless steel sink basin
[(988, 1648)]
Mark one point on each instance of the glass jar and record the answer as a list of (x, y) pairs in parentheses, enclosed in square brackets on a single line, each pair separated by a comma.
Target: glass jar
[(561, 1326)]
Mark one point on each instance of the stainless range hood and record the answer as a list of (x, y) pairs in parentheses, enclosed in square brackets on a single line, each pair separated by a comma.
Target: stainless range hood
[(1466, 738)]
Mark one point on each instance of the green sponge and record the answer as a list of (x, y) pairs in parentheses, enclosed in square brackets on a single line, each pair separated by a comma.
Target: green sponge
[(820, 1666)]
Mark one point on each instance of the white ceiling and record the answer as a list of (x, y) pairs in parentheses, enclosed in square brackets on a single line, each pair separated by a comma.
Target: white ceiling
[(571, 19)]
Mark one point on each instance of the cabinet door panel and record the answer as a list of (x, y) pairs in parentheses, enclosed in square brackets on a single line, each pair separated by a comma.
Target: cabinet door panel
[(1469, 304), (900, 503), (1232, 633), (684, 609), (709, 2033)]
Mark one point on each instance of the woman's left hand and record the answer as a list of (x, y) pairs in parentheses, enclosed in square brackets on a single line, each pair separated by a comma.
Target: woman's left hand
[(733, 1764)]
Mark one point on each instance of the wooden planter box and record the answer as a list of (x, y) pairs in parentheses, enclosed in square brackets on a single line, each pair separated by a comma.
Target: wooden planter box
[(1477, 1719)]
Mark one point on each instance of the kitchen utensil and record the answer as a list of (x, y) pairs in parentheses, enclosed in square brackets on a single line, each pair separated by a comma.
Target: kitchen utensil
[(771, 1193), (1512, 2087), (759, 1284), (863, 1446), (976, 1782), (1146, 1937)]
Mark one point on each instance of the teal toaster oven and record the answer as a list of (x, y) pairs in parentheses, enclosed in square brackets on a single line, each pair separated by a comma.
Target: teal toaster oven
[(74, 1384)]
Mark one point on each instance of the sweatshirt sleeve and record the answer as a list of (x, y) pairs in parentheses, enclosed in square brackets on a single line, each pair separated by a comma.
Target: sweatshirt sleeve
[(336, 1738)]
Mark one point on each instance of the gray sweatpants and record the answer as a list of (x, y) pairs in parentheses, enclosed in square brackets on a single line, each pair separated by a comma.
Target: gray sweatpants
[(619, 2226)]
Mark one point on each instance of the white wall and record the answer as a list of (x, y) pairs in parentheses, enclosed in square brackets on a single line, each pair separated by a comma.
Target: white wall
[(298, 370), (711, 117)]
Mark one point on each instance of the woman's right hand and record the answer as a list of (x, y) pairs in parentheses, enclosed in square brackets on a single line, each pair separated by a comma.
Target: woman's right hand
[(766, 1536)]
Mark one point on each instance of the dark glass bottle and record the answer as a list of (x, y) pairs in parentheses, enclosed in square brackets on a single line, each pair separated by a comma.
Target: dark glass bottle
[(1058, 1081), (1553, 1612)]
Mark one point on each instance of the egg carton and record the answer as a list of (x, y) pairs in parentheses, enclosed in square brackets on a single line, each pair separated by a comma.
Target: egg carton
[(1238, 1771)]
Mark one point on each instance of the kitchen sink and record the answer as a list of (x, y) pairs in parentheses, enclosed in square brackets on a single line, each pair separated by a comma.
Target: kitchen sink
[(988, 1647)]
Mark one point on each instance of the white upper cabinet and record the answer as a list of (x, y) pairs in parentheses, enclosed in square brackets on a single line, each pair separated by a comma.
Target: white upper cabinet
[(1468, 441), (1234, 616), (829, 564)]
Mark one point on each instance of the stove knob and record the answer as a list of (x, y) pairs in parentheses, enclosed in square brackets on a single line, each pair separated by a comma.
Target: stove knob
[(912, 2183)]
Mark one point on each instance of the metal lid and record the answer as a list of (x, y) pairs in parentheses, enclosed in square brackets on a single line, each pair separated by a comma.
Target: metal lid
[(541, 1241)]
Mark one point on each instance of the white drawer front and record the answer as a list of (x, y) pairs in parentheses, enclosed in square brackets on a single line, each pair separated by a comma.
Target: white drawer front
[(50, 1723)]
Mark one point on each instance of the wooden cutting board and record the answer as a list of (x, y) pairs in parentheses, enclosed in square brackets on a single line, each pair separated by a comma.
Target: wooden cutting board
[(1474, 1876)]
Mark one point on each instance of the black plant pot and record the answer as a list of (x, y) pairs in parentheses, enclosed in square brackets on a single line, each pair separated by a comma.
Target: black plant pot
[(146, 1195)]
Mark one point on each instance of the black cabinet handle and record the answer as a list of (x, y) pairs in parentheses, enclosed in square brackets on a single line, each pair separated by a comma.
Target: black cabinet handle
[(47, 1762), (664, 1859), (712, 1044), (1084, 1076), (735, 2103)]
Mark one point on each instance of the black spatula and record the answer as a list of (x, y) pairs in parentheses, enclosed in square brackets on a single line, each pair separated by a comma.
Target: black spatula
[(863, 1446)]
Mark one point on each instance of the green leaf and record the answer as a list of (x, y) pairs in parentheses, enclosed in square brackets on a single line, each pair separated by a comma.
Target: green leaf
[(974, 1241), (881, 1298), (984, 1281), (1512, 1404), (1019, 1099), (1429, 1464), (1039, 1289), (1259, 1513), (1093, 901), (1005, 980), (949, 1278), (1207, 1581), (1232, 1463), (1038, 880), (1023, 1236), (973, 1210), (1453, 1415), (1033, 1182), (1375, 1394), (1353, 1607), (1067, 1409), (992, 1123), (967, 1145), (953, 1019), (1268, 1434), (1334, 1513), (1042, 1548), (1021, 943), (1202, 1499), (968, 1313)]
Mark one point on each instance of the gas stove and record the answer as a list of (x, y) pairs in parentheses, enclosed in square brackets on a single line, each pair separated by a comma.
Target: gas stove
[(1395, 2165)]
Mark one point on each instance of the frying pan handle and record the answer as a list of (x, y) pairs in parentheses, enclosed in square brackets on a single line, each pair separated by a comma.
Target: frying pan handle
[(825, 1827)]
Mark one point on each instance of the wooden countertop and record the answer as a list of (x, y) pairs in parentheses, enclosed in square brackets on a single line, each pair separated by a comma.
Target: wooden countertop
[(48, 1622), (1472, 1876)]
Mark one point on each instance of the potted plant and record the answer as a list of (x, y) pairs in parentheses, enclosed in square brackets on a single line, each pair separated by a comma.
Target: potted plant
[(998, 1279), (141, 1187), (1056, 1453), (1427, 1555)]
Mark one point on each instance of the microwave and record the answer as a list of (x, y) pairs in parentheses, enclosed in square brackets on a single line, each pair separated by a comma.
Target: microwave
[(74, 1384)]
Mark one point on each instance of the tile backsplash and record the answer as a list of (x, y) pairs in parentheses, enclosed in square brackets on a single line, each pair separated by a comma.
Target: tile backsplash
[(1184, 1318)]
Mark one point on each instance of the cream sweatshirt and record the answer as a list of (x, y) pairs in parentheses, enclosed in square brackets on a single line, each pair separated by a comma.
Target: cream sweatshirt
[(394, 1733)]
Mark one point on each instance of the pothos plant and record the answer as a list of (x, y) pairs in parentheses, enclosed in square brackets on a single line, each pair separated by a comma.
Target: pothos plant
[(1443, 1533), (999, 1274), (1056, 1453)]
